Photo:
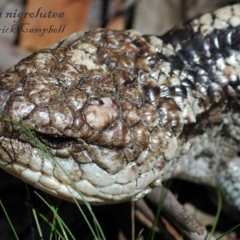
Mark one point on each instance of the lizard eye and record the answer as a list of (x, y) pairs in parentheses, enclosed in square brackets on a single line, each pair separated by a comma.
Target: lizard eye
[(55, 141)]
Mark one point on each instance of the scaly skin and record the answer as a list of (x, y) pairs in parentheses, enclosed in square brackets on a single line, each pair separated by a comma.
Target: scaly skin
[(121, 111)]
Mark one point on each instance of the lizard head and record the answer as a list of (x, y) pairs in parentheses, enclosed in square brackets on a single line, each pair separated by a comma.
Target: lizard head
[(90, 101)]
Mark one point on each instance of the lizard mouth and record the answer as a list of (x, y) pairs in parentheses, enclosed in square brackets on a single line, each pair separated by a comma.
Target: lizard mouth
[(55, 141)]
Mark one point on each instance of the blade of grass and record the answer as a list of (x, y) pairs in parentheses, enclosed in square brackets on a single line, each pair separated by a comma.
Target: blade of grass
[(54, 218), (9, 221), (61, 223), (37, 223), (231, 230), (53, 227), (139, 235), (63, 226), (30, 205), (219, 208)]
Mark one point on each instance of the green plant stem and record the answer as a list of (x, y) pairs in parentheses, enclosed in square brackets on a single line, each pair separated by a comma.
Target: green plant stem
[(219, 208), (9, 221)]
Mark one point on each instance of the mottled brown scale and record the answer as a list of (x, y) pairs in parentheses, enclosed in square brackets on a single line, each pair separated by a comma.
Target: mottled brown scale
[(76, 99), (26, 67), (131, 151), (114, 136), (146, 161), (141, 67), (130, 50), (36, 89), (157, 141), (133, 94), (122, 78), (105, 158), (140, 136), (61, 116), (130, 113), (126, 63), (12, 82), (152, 91), (67, 75), (149, 116), (101, 113), (44, 61), (109, 57), (82, 157), (81, 128)]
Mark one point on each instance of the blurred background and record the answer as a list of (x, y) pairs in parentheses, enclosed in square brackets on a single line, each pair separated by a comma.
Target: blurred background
[(23, 17)]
